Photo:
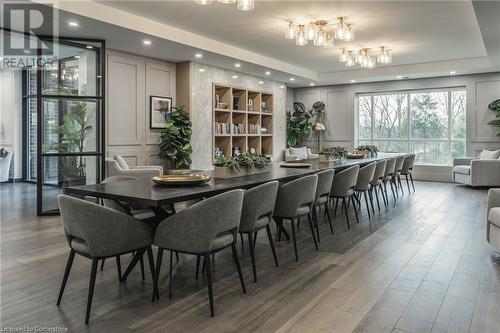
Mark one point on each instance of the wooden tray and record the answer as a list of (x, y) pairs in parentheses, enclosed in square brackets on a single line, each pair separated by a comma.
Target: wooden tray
[(294, 165), (182, 180)]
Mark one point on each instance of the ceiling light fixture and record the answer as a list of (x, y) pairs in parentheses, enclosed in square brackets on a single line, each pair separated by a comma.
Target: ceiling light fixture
[(282, 87), (353, 81), (317, 32), (291, 32), (363, 57), (201, 70), (311, 30), (301, 39), (246, 5), (90, 47), (73, 24), (312, 84), (399, 77), (234, 76), (237, 65), (198, 55), (453, 72), (292, 79), (268, 73), (227, 2), (261, 82), (77, 57), (204, 2), (146, 42), (384, 56)]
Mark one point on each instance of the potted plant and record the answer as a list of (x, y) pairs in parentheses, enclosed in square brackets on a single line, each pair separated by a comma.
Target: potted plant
[(175, 145), (241, 165), (495, 107), (299, 122), (368, 150), (332, 154)]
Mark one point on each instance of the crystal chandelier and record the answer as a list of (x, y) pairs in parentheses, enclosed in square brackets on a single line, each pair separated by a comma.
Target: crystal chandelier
[(244, 5), (384, 56), (363, 57), (317, 33)]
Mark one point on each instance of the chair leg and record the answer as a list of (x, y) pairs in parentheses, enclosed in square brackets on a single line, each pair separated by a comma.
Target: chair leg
[(376, 196), (135, 259), (151, 262), (255, 239), (141, 261), (93, 273), (170, 276), (312, 230), (271, 242), (393, 194), (294, 236), (198, 265), (346, 214), (407, 183), (252, 255), (242, 242), (69, 263), (367, 205), (208, 269), (370, 196), (412, 184), (315, 223), (102, 263), (156, 292), (355, 210), (238, 267), (400, 185), (336, 204), (118, 267), (329, 219)]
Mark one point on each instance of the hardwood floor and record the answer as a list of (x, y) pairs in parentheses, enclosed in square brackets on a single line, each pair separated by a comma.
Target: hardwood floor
[(421, 266)]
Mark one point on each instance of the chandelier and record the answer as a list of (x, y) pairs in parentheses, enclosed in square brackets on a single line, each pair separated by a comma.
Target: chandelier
[(244, 5), (363, 57), (316, 32)]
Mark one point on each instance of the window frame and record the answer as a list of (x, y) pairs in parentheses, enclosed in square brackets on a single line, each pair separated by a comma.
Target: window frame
[(409, 140)]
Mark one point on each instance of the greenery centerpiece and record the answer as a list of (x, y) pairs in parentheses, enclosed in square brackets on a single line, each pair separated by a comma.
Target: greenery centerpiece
[(299, 122), (175, 145), (368, 150), (330, 154), (495, 107), (243, 164)]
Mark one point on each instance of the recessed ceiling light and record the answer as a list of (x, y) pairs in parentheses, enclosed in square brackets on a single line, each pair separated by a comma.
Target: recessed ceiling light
[(399, 77), (353, 81), (237, 65), (198, 55), (90, 47), (292, 79), (146, 42), (73, 24), (234, 76), (312, 84), (268, 73), (282, 87), (201, 70), (453, 72), (77, 57), (261, 82)]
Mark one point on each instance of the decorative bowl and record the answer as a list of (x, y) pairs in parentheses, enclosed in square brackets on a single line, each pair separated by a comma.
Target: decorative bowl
[(182, 179)]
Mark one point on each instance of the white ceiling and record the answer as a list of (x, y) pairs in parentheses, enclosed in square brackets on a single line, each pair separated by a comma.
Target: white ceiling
[(428, 38)]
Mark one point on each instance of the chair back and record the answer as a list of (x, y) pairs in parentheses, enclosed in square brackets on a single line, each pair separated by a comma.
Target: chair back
[(111, 203), (365, 176), (344, 181), (408, 164), (105, 231), (379, 172), (399, 165), (112, 167), (258, 202), (194, 229), (389, 167), (294, 195), (325, 179)]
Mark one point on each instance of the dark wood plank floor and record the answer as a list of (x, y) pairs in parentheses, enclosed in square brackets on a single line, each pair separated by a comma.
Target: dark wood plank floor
[(421, 266)]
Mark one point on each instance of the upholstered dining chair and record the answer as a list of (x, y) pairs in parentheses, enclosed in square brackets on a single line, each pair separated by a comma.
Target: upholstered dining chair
[(376, 182), (257, 213), (388, 174), (325, 179), (343, 187), (296, 199), (96, 232), (493, 223), (363, 184), (407, 170), (396, 179), (204, 228)]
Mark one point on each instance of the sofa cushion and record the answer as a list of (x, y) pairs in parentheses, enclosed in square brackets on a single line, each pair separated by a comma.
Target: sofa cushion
[(121, 162), (494, 216), (489, 154), (462, 169), (301, 153)]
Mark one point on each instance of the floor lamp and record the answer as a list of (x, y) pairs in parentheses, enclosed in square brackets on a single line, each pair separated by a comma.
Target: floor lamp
[(319, 127)]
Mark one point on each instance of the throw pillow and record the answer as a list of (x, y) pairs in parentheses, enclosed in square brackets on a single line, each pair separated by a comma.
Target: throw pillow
[(489, 154), (121, 162), (301, 153)]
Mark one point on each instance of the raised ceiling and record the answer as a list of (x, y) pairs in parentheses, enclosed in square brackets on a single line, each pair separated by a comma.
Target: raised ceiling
[(428, 38)]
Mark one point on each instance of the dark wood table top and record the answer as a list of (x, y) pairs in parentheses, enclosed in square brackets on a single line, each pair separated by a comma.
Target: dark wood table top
[(148, 193)]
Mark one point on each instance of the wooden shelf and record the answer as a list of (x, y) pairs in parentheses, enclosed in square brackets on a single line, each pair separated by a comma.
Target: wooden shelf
[(244, 108)]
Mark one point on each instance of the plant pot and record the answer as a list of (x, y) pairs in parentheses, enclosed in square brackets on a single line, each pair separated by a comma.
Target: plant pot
[(327, 159), (224, 172)]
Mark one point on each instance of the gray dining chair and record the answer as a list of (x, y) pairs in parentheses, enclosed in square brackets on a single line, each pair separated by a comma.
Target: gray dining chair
[(294, 200), (407, 170), (376, 183), (363, 185), (344, 183), (325, 179), (388, 174), (204, 228), (396, 179), (256, 214), (96, 232)]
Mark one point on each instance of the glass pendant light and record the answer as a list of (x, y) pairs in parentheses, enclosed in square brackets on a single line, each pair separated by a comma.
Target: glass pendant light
[(370, 63), (311, 30), (204, 2), (384, 56), (340, 29), (350, 59), (227, 2), (246, 4), (329, 40), (349, 33), (301, 36), (320, 39), (343, 55), (291, 31)]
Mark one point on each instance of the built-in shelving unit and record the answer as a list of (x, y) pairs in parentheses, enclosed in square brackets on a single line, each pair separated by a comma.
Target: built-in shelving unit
[(242, 118)]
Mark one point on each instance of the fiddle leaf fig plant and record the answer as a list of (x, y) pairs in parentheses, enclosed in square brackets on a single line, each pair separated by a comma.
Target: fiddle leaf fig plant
[(495, 107), (299, 121), (175, 145)]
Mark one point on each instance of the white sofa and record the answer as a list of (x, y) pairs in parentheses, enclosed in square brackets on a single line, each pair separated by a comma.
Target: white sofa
[(5, 166), (299, 154), (493, 222), (483, 170), (117, 166)]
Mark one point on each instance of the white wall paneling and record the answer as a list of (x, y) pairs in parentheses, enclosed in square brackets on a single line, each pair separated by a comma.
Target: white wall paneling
[(485, 93), (131, 80)]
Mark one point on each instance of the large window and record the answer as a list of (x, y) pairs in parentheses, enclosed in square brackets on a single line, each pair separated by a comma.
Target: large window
[(429, 123)]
